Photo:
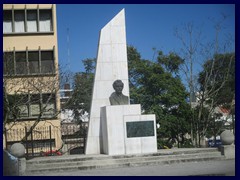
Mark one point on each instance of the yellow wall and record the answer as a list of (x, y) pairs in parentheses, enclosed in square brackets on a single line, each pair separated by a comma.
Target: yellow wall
[(32, 41), (43, 125), (28, 6), (45, 84)]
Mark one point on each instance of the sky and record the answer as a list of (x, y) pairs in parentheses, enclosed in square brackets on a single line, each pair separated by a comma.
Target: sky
[(148, 26)]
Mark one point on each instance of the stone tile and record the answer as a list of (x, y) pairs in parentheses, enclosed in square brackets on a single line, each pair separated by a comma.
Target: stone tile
[(120, 71), (105, 35), (134, 110), (104, 53), (92, 146), (119, 19), (120, 30), (119, 52)]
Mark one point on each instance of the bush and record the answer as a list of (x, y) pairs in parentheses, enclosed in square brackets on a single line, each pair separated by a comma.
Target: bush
[(164, 144), (167, 144), (187, 144)]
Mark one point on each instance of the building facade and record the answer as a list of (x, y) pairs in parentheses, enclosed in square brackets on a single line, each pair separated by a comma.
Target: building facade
[(30, 72)]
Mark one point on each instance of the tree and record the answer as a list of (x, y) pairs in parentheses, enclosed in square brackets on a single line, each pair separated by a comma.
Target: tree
[(190, 37), (171, 62), (160, 91), (30, 98), (220, 74), (217, 88), (30, 93), (26, 91), (194, 48), (80, 101)]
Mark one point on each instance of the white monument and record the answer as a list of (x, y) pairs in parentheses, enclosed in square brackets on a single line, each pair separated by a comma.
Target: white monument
[(126, 131), (111, 65), (111, 128)]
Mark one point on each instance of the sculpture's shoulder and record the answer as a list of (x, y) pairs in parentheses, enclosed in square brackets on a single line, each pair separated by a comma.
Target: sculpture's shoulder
[(125, 97), (113, 95)]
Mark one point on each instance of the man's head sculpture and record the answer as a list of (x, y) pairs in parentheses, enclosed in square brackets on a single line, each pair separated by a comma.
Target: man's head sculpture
[(118, 86), (117, 98)]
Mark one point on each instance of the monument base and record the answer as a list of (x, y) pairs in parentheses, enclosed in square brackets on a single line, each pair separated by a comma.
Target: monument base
[(228, 151), (125, 131)]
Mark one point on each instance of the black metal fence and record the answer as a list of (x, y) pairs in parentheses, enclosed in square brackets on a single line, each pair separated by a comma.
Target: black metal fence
[(74, 138), (42, 140)]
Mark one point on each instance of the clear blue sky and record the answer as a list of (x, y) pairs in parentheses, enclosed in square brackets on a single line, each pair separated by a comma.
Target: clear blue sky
[(147, 26)]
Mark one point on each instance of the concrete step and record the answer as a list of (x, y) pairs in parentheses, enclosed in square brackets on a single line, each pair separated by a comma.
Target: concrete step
[(122, 160), (81, 157), (83, 162), (123, 164)]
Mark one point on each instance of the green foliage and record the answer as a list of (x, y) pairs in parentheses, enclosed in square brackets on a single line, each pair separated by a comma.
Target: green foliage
[(217, 86), (159, 91), (89, 65), (82, 90), (187, 144), (218, 78), (164, 143), (170, 62)]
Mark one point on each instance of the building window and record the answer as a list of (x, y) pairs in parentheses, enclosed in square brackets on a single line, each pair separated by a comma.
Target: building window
[(32, 105), (47, 65), (33, 60), (18, 106), (21, 21), (29, 62), (48, 104), (8, 63), (7, 21), (32, 21), (45, 21), (23, 110), (21, 63)]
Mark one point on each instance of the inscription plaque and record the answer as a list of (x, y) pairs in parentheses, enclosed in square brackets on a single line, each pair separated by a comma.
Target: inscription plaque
[(140, 129)]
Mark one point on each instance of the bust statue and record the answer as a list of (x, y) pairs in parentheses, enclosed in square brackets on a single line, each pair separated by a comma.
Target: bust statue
[(117, 98)]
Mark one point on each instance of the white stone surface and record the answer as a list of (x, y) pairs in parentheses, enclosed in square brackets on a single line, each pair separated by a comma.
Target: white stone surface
[(149, 144), (111, 65), (136, 145), (17, 150), (22, 164), (113, 124), (227, 137), (112, 119), (228, 151)]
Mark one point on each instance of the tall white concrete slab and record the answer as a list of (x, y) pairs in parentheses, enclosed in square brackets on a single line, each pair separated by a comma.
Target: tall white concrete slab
[(111, 65)]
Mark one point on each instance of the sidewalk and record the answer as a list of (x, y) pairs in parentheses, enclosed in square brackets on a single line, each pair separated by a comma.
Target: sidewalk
[(204, 168)]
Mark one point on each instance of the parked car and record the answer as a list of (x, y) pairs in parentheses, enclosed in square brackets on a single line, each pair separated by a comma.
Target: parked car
[(212, 143)]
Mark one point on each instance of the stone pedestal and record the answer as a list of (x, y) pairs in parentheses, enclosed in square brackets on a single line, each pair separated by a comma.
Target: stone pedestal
[(10, 164), (125, 131), (21, 166), (228, 151)]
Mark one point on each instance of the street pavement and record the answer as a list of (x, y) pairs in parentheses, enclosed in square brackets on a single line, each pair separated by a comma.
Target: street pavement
[(202, 168)]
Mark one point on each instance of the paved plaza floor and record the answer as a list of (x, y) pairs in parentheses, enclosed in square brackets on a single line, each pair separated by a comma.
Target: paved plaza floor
[(204, 168)]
